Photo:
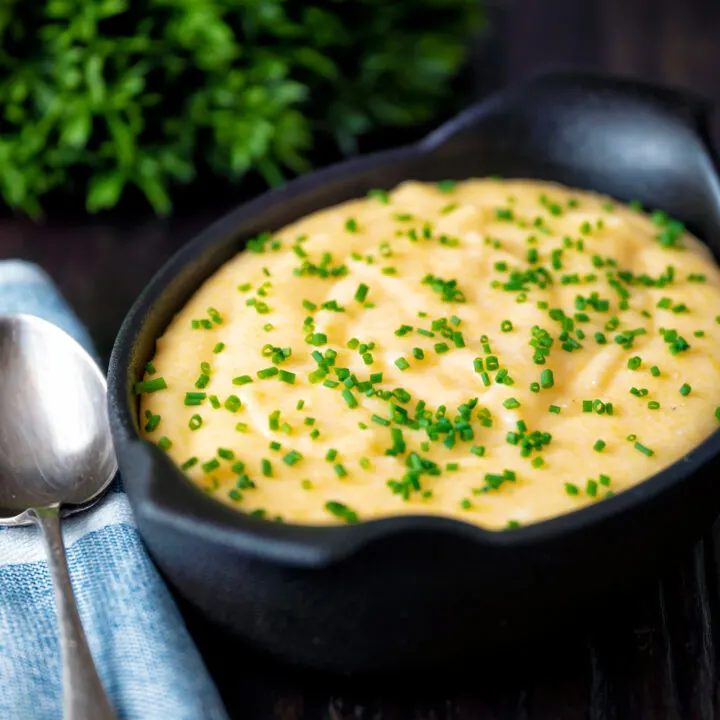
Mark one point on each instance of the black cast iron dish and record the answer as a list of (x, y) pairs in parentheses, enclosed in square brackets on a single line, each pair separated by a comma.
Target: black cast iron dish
[(416, 592)]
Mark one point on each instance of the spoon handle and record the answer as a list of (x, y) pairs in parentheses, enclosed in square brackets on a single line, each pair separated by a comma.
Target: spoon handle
[(83, 695)]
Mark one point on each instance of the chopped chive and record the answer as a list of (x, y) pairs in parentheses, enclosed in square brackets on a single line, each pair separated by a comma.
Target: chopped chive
[(287, 377), (653, 405), (152, 422), (349, 398), (267, 372), (195, 422), (331, 455), (317, 339), (634, 363), (340, 471), (241, 427), (341, 511), (441, 348), (685, 390), (242, 380), (225, 454), (195, 398), (418, 354), (643, 449), (274, 420), (511, 404), (380, 195), (655, 371), (572, 489), (292, 457), (554, 409), (210, 465), (458, 339), (351, 225), (202, 381), (361, 292), (599, 445), (219, 347), (150, 386), (233, 403), (402, 364), (190, 462), (380, 420), (150, 368), (547, 379), (266, 467)]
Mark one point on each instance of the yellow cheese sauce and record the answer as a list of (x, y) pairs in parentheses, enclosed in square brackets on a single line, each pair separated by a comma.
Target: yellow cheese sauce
[(498, 351)]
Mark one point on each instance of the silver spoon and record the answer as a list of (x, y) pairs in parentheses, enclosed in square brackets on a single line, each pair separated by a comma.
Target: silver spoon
[(56, 458)]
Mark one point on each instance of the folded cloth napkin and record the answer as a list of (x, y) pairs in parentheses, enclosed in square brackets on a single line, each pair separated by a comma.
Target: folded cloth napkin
[(144, 655)]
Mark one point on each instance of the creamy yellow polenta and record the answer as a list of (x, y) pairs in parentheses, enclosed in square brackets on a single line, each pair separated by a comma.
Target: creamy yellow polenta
[(500, 351)]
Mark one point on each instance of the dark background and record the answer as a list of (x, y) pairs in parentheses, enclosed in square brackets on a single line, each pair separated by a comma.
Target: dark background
[(653, 654)]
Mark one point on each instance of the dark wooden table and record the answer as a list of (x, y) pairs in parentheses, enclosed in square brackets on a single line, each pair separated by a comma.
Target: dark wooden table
[(650, 654)]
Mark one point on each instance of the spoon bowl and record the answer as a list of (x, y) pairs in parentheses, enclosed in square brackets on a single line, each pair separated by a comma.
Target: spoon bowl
[(55, 444), (56, 457)]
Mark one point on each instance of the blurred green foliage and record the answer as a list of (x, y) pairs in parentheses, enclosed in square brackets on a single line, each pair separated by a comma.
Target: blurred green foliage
[(96, 95)]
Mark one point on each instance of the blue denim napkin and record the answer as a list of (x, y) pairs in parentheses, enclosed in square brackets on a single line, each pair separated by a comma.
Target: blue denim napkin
[(145, 657)]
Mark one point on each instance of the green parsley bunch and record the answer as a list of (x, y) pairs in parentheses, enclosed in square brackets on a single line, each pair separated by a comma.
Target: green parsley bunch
[(100, 95)]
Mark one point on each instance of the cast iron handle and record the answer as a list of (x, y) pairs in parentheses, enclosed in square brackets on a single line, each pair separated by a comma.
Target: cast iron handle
[(550, 91)]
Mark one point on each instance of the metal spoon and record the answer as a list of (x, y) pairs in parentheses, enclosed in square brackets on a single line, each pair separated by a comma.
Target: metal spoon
[(55, 451)]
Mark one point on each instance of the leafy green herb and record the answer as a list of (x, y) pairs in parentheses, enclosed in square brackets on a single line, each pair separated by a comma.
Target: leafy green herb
[(149, 96)]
